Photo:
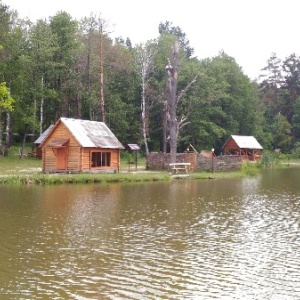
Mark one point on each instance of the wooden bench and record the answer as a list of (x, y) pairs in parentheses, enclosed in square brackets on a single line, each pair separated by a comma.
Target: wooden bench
[(177, 167)]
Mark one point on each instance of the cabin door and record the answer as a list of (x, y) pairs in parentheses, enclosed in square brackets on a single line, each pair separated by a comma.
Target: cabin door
[(61, 159)]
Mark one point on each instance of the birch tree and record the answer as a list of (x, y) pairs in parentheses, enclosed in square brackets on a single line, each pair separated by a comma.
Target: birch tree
[(144, 57), (6, 105), (42, 51)]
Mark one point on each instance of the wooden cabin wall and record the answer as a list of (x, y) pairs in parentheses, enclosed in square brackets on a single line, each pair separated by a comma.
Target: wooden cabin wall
[(85, 158), (74, 155), (87, 154), (49, 161), (73, 151), (115, 159), (231, 144)]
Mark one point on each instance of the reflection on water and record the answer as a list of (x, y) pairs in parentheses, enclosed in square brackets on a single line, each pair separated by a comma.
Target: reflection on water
[(215, 239)]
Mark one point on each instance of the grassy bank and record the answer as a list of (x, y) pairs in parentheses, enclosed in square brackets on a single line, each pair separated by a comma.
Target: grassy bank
[(106, 178), (28, 171), (41, 178)]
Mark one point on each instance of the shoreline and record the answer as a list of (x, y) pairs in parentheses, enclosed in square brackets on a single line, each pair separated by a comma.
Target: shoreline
[(40, 178), (33, 175)]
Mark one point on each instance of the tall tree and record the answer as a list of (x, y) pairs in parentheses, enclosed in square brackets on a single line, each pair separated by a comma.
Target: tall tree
[(170, 29), (65, 31), (270, 87), (97, 45), (291, 68), (144, 57), (6, 105), (296, 120), (281, 130), (173, 100), (43, 47)]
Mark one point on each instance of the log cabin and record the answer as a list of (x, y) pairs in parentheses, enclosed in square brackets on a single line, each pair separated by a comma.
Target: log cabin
[(246, 146), (74, 145)]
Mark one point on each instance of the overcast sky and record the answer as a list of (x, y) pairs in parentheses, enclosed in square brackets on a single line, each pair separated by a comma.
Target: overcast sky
[(248, 30)]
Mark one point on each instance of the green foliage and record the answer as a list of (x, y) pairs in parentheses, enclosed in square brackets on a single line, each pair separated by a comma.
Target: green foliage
[(295, 153), (282, 132), (251, 168), (6, 100), (52, 69), (271, 159)]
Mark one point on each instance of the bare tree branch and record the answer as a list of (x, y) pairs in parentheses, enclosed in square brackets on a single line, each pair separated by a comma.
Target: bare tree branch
[(184, 91)]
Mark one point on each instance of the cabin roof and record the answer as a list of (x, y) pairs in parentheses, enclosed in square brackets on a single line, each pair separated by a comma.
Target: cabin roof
[(90, 134), (41, 138), (245, 142)]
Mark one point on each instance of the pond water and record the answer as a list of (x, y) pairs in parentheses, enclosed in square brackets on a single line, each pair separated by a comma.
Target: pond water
[(204, 239)]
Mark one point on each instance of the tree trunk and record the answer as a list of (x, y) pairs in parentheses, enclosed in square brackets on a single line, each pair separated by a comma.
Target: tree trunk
[(165, 127), (7, 138), (1, 135), (102, 110), (42, 107), (172, 101), (143, 108), (23, 143)]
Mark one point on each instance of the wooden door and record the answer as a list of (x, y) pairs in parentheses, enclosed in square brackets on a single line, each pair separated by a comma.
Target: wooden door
[(192, 159), (61, 158)]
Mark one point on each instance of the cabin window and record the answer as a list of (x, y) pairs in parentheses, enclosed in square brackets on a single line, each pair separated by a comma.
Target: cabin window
[(101, 159)]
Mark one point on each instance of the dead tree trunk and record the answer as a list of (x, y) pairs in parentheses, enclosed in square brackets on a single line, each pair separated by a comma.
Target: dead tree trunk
[(172, 69), (173, 100), (165, 127)]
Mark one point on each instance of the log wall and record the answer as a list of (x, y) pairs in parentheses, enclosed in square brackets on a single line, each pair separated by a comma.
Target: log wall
[(73, 151)]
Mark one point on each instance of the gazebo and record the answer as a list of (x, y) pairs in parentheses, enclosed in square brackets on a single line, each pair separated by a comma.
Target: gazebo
[(246, 146)]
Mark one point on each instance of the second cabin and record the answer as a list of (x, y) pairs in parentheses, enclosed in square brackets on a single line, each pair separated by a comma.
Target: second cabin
[(74, 145)]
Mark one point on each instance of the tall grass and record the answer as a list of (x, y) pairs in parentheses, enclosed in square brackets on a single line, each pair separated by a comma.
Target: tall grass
[(250, 168), (83, 178)]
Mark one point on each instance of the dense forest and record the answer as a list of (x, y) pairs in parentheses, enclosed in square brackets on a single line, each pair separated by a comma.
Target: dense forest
[(150, 94)]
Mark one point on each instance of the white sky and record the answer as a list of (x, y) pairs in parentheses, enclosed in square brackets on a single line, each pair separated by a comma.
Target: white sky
[(247, 30)]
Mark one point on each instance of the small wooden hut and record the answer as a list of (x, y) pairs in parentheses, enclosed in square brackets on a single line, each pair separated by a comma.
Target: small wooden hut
[(245, 146), (74, 145)]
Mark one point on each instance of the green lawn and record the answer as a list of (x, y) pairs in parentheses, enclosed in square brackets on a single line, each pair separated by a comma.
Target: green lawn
[(13, 165)]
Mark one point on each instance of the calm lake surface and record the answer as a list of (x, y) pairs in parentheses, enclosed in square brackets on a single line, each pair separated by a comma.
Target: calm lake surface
[(206, 239)]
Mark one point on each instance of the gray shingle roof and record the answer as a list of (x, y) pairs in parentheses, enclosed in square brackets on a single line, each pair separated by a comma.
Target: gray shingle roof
[(92, 133), (41, 138)]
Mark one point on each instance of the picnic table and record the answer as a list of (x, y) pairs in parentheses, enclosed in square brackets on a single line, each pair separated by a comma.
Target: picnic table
[(178, 167)]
